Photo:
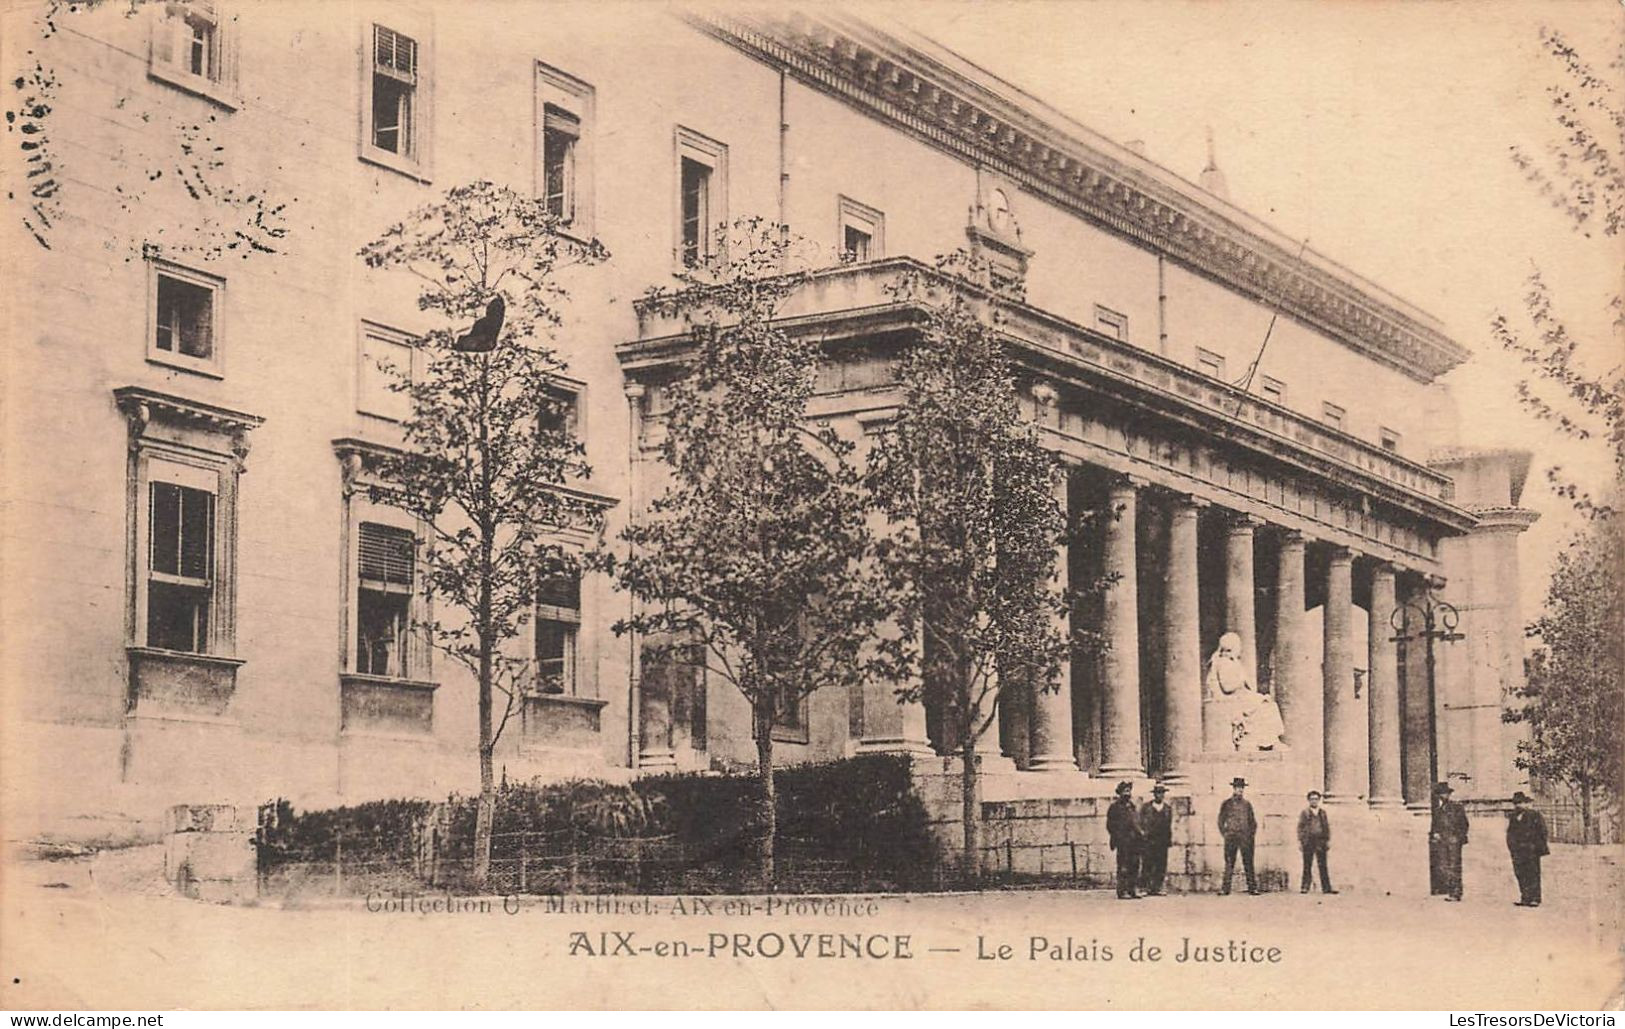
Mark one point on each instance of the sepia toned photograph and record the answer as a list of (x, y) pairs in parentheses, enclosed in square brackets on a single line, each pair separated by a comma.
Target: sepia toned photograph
[(519, 505)]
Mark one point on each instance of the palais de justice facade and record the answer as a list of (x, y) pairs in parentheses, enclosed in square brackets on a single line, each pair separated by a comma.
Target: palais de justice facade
[(203, 602)]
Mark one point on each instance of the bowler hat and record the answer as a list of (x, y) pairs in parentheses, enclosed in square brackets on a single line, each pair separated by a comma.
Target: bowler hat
[(1238, 781), (1442, 788), (1520, 797), (1125, 787), (1159, 788)]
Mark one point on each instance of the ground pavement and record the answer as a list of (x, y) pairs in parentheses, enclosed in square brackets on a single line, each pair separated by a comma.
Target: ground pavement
[(89, 933)]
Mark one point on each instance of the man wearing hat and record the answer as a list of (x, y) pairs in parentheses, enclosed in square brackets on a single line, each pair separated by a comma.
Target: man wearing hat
[(1526, 839), (1156, 836), (1314, 837), (1123, 826), (1238, 825), (1446, 837)]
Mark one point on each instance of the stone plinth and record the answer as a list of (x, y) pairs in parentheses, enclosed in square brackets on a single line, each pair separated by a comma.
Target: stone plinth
[(209, 851)]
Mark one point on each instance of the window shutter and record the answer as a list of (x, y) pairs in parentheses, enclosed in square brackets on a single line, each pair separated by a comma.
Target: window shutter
[(393, 52), (561, 591), (164, 31), (387, 554)]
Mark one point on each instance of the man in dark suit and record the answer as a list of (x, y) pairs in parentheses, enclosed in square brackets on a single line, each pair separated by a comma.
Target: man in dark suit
[(1447, 835), (1156, 836), (1314, 838), (1239, 826), (1527, 841), (1123, 827)]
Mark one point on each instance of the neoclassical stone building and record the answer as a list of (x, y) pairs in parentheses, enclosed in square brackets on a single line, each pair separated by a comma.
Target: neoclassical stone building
[(202, 602)]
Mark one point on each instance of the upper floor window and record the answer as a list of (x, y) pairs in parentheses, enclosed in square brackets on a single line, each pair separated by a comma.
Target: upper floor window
[(1333, 415), (1272, 389), (862, 231), (1209, 363), (558, 625), (1112, 323), (185, 327), (564, 108), (563, 411), (702, 196), (193, 47), (1389, 439), (386, 357), (396, 99)]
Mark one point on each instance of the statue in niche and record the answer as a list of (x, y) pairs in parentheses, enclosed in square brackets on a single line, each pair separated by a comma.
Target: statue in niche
[(1253, 718)]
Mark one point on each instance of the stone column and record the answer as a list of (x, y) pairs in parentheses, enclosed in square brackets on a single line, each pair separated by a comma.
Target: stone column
[(1050, 742), (1295, 692), (1238, 589), (1120, 733), (1417, 738), (1345, 765), (1382, 682), (1182, 637)]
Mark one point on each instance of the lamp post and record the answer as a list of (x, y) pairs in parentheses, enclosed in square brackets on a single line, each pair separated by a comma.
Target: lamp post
[(1427, 617)]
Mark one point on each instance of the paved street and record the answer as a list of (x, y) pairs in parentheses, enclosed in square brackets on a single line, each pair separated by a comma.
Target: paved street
[(78, 936)]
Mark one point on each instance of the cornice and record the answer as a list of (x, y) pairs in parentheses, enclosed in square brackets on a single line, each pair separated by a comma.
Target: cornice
[(898, 81)]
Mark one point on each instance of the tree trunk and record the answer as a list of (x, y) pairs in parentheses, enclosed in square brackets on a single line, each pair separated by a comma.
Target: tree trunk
[(1585, 815), (486, 812), (767, 811), (969, 858)]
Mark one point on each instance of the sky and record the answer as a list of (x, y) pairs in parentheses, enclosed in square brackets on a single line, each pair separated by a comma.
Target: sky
[(1378, 130)]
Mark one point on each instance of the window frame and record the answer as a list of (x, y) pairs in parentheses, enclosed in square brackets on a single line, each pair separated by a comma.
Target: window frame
[(367, 402), (1390, 440), (164, 63), (1269, 384), (1334, 415), (417, 27), (576, 391), (358, 469), (701, 149), (850, 214), (212, 366), (406, 657), (1112, 323), (571, 679), (1205, 356), (575, 97)]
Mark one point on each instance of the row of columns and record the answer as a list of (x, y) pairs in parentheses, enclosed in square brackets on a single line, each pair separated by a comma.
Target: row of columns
[(1354, 760)]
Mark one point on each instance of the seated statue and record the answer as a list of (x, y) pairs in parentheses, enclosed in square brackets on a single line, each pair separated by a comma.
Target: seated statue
[(1254, 720)]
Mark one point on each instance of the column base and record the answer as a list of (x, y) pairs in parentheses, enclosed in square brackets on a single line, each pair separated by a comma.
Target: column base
[(1121, 772), (658, 760), (1386, 802), (1053, 763)]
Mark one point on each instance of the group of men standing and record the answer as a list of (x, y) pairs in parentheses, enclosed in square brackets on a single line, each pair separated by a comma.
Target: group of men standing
[(1141, 837)]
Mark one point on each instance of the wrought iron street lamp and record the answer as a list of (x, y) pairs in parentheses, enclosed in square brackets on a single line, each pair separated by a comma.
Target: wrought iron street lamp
[(1428, 618)]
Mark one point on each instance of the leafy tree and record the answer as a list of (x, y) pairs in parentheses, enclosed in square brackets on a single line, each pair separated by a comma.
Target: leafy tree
[(1575, 698), (487, 445), (751, 562), (1574, 691), (970, 496)]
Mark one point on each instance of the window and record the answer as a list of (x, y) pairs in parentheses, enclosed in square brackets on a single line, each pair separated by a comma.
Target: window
[(385, 563), (862, 231), (1389, 439), (192, 48), (564, 107), (1332, 414), (563, 411), (395, 100), (185, 460), (790, 717), (558, 623), (185, 319), (385, 356), (180, 566), (1112, 323), (1273, 390), (1209, 363), (702, 196)]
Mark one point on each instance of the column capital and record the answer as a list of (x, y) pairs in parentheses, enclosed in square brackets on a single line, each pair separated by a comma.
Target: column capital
[(635, 391), (1237, 522), (1290, 537), (1125, 482), (1338, 552)]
